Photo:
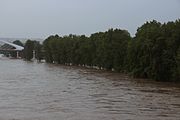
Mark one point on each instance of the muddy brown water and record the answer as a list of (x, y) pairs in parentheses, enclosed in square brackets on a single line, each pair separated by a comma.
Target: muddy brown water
[(40, 91)]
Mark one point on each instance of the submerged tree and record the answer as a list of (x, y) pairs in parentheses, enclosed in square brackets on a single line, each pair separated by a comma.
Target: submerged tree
[(28, 50), (38, 48), (153, 52)]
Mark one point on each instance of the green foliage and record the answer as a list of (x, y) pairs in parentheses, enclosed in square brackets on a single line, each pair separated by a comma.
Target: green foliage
[(154, 50), (177, 70), (153, 53), (28, 50), (18, 42), (38, 50), (31, 46), (106, 50)]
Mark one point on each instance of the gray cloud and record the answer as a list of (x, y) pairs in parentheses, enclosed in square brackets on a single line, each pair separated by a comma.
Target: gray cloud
[(41, 18)]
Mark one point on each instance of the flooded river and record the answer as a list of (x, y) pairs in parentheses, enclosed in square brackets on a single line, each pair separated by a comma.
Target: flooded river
[(39, 91)]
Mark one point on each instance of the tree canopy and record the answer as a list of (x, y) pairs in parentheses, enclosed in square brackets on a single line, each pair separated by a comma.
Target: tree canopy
[(153, 53)]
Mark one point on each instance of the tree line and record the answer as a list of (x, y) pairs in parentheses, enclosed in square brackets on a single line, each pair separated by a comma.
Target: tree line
[(153, 53)]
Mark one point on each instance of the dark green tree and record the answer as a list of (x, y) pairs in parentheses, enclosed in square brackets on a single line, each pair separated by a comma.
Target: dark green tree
[(38, 50), (153, 52), (28, 50), (18, 42)]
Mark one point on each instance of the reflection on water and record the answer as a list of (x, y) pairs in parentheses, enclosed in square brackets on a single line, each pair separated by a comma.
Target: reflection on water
[(32, 91)]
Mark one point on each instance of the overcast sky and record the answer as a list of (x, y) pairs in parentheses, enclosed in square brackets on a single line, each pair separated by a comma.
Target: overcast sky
[(41, 18)]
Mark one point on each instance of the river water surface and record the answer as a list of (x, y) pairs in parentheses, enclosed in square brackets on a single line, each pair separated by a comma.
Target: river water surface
[(39, 91)]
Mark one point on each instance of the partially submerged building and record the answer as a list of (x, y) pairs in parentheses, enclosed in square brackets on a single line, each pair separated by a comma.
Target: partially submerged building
[(11, 49)]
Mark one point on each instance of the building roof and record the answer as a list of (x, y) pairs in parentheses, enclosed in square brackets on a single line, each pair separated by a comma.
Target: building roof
[(17, 47)]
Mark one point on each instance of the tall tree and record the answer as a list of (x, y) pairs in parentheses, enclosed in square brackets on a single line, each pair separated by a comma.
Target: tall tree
[(28, 50)]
